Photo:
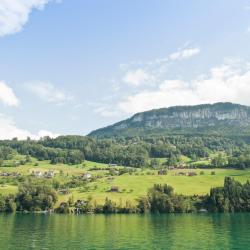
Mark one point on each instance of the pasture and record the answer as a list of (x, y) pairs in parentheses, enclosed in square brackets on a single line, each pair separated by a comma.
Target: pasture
[(130, 186)]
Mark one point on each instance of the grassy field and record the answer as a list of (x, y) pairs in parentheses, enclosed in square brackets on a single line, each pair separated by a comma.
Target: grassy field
[(130, 186), (133, 186)]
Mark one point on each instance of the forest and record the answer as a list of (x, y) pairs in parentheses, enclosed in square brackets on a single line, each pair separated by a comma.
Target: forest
[(133, 151)]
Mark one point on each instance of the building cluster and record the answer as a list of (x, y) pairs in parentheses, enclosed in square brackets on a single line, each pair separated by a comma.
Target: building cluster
[(47, 174), (9, 174), (186, 174)]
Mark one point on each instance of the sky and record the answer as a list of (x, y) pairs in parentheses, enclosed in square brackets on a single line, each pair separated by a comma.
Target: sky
[(72, 66)]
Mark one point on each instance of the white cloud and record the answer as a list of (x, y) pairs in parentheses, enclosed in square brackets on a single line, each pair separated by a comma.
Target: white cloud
[(148, 75), (49, 93), (43, 133), (248, 30), (9, 130), (136, 77), (14, 14), (106, 111), (184, 54), (227, 82), (138, 73), (7, 95)]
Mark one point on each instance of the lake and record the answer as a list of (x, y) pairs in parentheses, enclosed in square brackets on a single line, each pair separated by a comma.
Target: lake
[(174, 231)]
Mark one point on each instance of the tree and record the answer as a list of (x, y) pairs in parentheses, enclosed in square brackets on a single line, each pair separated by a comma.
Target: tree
[(33, 197), (108, 207)]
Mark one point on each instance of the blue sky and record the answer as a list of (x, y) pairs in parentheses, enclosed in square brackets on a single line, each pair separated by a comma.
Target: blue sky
[(71, 66)]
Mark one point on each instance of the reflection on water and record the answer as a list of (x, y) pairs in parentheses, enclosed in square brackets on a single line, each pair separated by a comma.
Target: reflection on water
[(198, 231)]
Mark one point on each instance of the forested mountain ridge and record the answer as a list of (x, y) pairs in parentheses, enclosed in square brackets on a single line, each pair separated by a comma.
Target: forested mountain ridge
[(218, 118)]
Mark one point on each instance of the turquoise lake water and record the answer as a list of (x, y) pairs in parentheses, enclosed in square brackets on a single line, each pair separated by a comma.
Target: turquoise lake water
[(179, 231)]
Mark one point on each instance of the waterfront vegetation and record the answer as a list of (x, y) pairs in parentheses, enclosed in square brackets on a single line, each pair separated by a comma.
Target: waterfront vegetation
[(232, 197)]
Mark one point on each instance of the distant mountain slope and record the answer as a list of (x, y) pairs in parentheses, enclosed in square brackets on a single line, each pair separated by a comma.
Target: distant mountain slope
[(218, 118)]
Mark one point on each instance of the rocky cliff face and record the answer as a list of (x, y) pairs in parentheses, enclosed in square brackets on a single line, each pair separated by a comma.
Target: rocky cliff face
[(183, 117)]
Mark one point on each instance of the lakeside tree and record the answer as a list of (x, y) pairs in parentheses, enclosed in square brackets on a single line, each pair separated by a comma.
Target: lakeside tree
[(162, 199), (232, 197), (33, 197)]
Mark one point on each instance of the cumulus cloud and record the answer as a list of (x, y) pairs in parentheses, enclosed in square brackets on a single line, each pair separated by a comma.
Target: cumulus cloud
[(14, 14), (49, 93), (184, 54), (136, 77), (138, 73), (7, 95), (43, 133), (9, 130), (228, 82)]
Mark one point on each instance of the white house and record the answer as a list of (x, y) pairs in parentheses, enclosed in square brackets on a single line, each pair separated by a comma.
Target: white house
[(49, 174), (87, 176), (37, 173)]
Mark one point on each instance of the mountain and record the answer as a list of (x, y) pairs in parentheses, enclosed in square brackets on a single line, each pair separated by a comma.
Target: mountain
[(218, 118)]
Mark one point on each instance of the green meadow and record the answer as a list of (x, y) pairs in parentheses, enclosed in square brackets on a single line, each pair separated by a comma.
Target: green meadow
[(130, 186)]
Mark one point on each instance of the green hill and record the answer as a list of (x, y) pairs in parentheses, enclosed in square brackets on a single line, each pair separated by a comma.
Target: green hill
[(219, 118)]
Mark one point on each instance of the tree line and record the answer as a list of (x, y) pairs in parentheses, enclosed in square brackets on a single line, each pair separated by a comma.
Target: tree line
[(232, 197), (131, 151)]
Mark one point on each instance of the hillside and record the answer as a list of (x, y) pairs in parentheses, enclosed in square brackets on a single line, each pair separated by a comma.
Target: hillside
[(218, 118)]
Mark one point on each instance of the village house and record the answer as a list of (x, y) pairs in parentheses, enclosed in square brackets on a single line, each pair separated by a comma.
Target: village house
[(191, 174), (114, 189), (112, 165), (37, 173), (181, 173), (87, 176), (186, 173), (49, 174), (6, 174)]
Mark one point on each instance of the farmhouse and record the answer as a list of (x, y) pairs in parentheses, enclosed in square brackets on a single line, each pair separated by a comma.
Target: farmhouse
[(49, 174), (37, 173), (87, 176), (191, 174), (114, 189), (6, 174), (112, 165), (181, 173)]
